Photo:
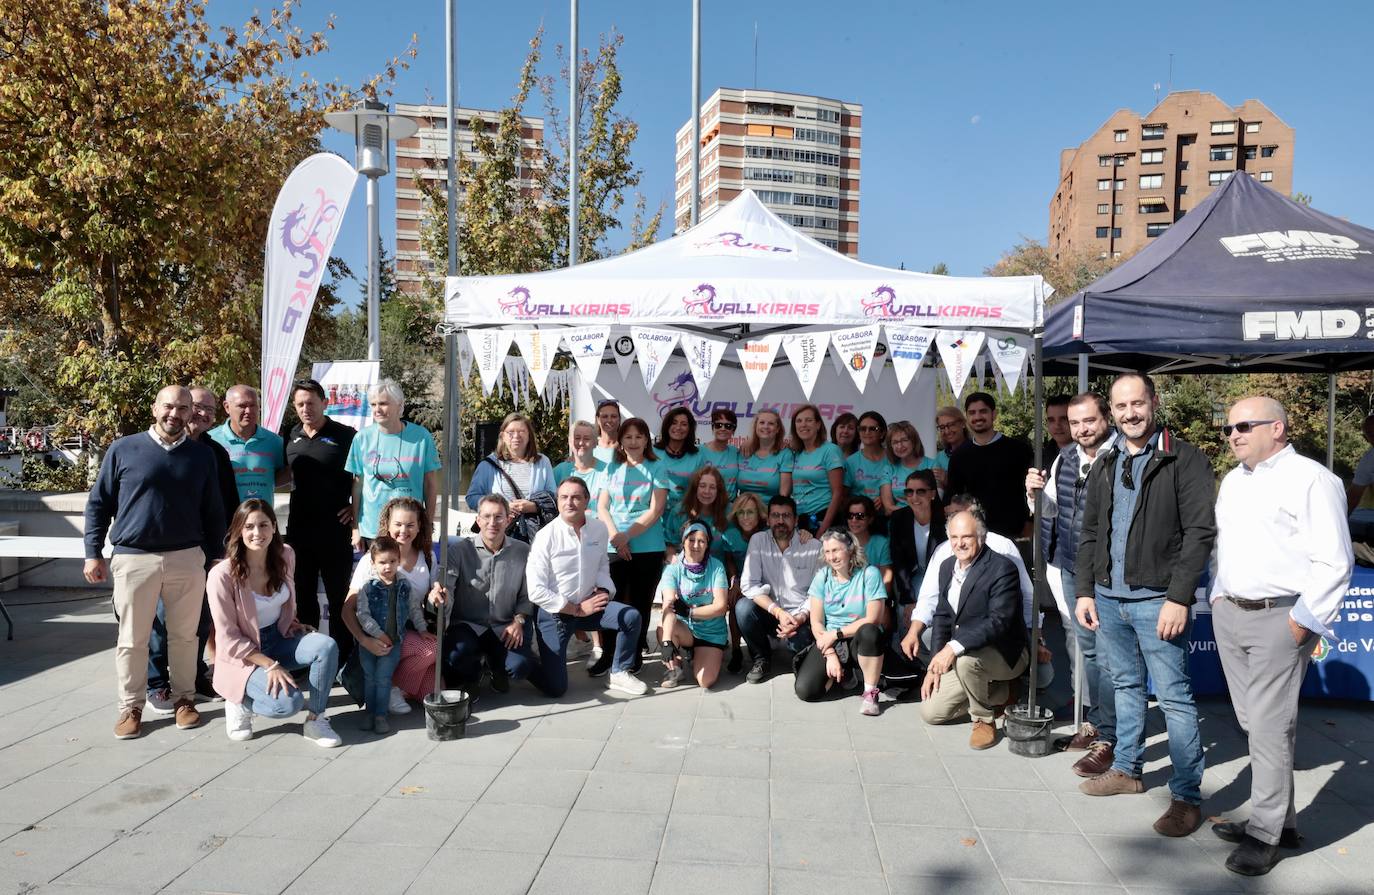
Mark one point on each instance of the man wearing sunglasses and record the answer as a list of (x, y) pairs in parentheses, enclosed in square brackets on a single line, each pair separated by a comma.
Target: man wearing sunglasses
[(1145, 539), (1283, 565), (1063, 493)]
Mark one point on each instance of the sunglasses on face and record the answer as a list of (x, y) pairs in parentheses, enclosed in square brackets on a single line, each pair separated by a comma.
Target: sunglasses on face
[(911, 491), (858, 516), (1244, 426), (869, 429), (723, 424)]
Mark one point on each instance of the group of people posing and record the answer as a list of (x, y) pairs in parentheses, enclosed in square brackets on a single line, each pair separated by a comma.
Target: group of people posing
[(873, 564)]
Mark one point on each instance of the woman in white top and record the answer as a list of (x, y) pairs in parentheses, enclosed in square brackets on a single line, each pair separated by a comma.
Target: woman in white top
[(405, 520)]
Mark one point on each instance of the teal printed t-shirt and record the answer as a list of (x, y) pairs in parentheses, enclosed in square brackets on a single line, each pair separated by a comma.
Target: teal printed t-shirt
[(604, 454), (867, 477), (678, 472), (878, 551), (734, 545), (593, 479), (728, 462), (631, 489), (696, 590), (845, 602), (811, 477), (255, 459), (763, 475), (390, 466)]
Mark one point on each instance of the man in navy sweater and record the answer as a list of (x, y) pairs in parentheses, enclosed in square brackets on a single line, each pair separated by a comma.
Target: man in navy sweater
[(159, 488)]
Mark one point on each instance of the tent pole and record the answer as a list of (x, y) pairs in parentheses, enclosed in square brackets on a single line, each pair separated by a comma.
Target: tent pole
[(1037, 547), (1082, 373), (573, 195), (1070, 623), (1331, 420), (450, 453)]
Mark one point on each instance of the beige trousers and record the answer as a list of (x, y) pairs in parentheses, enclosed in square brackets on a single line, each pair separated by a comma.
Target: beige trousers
[(140, 580), (976, 686)]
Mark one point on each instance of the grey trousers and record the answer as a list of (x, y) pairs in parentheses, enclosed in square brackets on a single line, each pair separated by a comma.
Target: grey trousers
[(1264, 671)]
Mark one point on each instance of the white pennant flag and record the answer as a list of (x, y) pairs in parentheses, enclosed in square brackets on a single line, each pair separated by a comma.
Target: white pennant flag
[(465, 358), (957, 351), (837, 361), (489, 347), (806, 353), (538, 348), (879, 362), (756, 359), (855, 347), (908, 347), (1009, 355), (624, 350), (703, 356), (980, 366), (587, 344), (652, 349)]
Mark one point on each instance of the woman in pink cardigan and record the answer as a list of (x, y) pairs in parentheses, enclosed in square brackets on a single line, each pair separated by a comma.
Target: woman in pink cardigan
[(252, 597)]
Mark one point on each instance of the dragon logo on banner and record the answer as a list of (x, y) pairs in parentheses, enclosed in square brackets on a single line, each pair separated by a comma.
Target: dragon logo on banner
[(879, 302), (517, 302), (305, 242), (681, 392), (701, 301)]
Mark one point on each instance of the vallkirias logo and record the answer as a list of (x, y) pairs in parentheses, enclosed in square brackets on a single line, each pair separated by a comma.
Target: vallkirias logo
[(702, 303), (682, 391), (882, 303), (730, 240), (519, 303)]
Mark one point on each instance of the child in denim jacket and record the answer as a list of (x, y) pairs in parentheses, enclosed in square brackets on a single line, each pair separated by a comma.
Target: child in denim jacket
[(384, 607)]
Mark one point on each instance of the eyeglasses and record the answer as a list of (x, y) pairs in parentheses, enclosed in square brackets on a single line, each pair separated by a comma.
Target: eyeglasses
[(723, 424), (949, 425), (911, 491), (859, 516), (870, 429), (1244, 426), (1127, 480)]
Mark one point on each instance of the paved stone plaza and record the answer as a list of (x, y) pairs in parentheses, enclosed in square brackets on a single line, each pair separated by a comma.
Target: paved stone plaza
[(744, 791)]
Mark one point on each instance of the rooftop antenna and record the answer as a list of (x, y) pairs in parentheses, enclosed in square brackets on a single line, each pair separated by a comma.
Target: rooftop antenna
[(756, 55)]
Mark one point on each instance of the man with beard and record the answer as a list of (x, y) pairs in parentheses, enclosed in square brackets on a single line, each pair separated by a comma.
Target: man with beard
[(778, 569), (1146, 537), (989, 467)]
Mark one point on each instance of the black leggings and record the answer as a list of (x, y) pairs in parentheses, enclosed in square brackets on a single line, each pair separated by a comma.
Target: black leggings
[(636, 580), (809, 682)]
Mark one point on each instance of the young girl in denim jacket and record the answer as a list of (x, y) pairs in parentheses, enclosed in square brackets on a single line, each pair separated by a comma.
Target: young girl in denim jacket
[(384, 607)]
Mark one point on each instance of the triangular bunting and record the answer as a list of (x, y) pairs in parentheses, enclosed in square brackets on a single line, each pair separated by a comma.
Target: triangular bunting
[(703, 356), (756, 359), (1009, 355), (538, 348), (908, 347), (855, 348), (652, 349), (806, 354), (624, 350), (489, 347), (879, 362), (957, 351), (587, 345), (465, 358)]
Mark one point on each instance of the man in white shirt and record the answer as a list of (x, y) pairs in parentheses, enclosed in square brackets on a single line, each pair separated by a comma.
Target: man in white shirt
[(1283, 563), (568, 576), (778, 569)]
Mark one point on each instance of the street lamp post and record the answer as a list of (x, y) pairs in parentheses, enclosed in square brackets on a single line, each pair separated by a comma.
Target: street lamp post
[(373, 128)]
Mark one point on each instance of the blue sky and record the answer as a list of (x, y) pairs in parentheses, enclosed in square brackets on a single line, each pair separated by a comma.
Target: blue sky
[(966, 105)]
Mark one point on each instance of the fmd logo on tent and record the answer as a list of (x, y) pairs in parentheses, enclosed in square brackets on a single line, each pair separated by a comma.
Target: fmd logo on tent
[(1292, 245), (1284, 326)]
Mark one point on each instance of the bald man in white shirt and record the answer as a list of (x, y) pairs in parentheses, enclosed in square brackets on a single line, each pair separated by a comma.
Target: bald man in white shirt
[(1283, 563)]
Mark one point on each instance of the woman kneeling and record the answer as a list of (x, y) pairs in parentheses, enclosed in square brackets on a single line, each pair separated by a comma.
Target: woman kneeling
[(847, 599), (694, 593)]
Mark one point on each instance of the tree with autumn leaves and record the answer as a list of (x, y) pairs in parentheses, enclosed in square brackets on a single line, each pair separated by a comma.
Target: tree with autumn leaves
[(141, 149)]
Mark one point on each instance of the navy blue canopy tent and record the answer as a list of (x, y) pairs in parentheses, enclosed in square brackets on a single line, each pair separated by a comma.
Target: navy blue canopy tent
[(1248, 281)]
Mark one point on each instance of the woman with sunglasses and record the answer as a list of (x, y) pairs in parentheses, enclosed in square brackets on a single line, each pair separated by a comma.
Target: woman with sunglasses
[(817, 472), (847, 600), (720, 451), (633, 497), (859, 518), (767, 467), (906, 452), (679, 457), (869, 468), (694, 609)]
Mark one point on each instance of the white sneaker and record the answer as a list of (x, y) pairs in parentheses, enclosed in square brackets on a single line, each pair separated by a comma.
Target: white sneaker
[(593, 656), (578, 648), (626, 682), (319, 731), (398, 704), (161, 701), (238, 721)]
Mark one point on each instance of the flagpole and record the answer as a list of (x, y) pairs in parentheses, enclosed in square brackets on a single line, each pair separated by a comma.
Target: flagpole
[(573, 203)]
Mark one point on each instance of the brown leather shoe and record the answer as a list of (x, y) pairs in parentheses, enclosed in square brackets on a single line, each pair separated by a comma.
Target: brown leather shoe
[(130, 724), (1181, 819), (1112, 783), (1097, 761), (187, 716), (1086, 736), (984, 735)]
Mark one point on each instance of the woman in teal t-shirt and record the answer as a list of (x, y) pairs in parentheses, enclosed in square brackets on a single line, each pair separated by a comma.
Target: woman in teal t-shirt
[(817, 472), (847, 600), (582, 461), (868, 467), (907, 454), (720, 452), (767, 466), (678, 457), (633, 495), (859, 516), (694, 608)]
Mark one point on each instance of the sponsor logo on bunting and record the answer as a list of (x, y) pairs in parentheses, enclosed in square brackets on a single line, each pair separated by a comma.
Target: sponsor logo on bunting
[(587, 344), (855, 349), (624, 350), (805, 352), (957, 351), (703, 356), (1009, 357), (465, 358), (908, 347), (490, 347), (756, 359), (537, 349), (652, 349)]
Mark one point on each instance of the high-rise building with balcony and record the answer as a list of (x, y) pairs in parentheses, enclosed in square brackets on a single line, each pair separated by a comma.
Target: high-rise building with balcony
[(1136, 175), (799, 153)]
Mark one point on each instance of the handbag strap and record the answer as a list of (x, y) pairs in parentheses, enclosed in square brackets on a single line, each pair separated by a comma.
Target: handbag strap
[(505, 475)]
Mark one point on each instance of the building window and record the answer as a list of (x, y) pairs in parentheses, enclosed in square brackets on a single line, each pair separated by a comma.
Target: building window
[(1221, 154), (1120, 185), (1268, 151), (1152, 157), (1223, 127), (1121, 159), (1216, 177), (1250, 152), (1116, 233), (1104, 161), (1119, 136), (1182, 188), (1101, 232), (1117, 208), (1187, 139), (1104, 185), (1152, 132), (1103, 208), (1252, 127), (1153, 230), (1154, 205), (1266, 176), (1151, 181)]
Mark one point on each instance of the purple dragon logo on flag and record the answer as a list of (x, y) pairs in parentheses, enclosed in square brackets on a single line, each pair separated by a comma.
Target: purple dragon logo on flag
[(701, 301), (304, 240), (879, 302), (516, 302), (682, 391)]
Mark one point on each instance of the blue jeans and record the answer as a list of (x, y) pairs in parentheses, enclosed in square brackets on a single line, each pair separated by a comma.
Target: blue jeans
[(377, 672), (556, 629), (467, 648), (315, 651), (1097, 676), (157, 651), (1133, 649), (756, 626)]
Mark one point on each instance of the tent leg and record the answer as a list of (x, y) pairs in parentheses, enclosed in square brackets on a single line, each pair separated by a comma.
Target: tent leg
[(1070, 623), (1037, 547), (451, 398), (1082, 373), (1331, 420)]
